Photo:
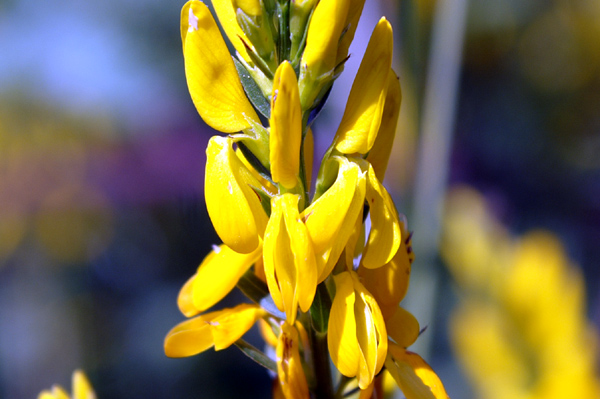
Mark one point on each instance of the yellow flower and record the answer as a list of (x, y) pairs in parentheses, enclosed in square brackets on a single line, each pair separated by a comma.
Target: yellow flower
[(413, 375), (330, 218), (219, 329), (357, 337), (389, 283), (289, 364), (289, 259), (286, 127), (233, 205), (385, 234), (362, 117), (212, 79), (82, 389), (217, 275)]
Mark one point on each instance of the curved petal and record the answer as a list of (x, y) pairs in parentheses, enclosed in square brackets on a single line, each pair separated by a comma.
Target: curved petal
[(212, 79), (190, 337), (286, 127), (330, 218), (219, 273), (232, 324), (413, 375), (403, 327), (382, 147), (185, 301), (233, 206), (362, 116), (341, 333), (289, 365), (384, 237), (371, 333)]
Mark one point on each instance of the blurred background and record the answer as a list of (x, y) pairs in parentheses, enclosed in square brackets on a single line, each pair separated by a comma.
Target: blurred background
[(496, 165)]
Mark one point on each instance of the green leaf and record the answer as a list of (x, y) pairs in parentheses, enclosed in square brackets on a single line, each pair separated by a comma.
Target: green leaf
[(256, 355), (252, 90), (319, 310)]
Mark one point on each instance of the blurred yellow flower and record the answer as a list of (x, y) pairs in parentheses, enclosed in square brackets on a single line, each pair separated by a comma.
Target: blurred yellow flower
[(82, 389), (521, 331)]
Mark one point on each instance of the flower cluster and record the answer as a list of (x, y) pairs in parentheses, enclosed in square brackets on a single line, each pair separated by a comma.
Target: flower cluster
[(521, 329), (325, 266)]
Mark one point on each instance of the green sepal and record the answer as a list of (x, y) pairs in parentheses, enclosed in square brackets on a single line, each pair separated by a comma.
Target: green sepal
[(254, 161), (327, 174), (256, 355), (319, 310), (252, 90)]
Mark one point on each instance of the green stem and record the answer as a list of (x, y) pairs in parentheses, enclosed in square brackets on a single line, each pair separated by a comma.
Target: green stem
[(320, 354)]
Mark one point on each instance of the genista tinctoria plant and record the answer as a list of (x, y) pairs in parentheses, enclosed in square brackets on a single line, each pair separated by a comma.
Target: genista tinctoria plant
[(323, 287)]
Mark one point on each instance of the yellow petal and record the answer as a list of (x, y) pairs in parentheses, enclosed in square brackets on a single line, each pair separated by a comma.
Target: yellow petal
[(289, 365), (185, 301), (403, 327), (330, 218), (362, 116), (82, 389), (233, 323), (341, 333), (371, 333), (384, 237), (389, 283), (267, 333), (367, 341), (413, 375), (219, 273), (354, 12), (212, 79), (324, 31), (190, 337), (290, 265), (286, 127), (226, 14), (233, 206), (382, 148)]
